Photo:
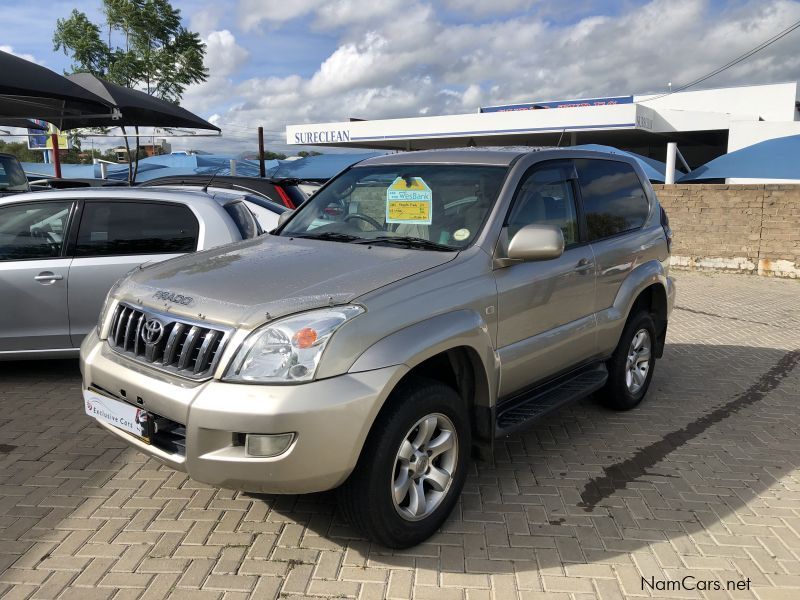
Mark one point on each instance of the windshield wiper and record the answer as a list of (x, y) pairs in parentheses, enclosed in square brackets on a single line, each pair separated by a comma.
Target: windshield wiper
[(409, 242), (332, 236)]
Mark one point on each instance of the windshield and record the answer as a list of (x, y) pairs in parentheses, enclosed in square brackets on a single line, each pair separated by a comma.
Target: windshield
[(425, 206), (12, 177)]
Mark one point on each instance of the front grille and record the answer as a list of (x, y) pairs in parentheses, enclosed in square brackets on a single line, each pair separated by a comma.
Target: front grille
[(178, 345)]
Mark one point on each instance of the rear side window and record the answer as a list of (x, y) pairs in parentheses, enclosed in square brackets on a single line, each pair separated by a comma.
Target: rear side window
[(12, 177), (119, 228), (244, 219), (613, 197)]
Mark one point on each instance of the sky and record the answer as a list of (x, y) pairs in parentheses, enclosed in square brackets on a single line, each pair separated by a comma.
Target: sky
[(278, 62)]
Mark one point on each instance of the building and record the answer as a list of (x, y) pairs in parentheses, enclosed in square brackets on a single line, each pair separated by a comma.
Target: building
[(705, 124), (157, 148)]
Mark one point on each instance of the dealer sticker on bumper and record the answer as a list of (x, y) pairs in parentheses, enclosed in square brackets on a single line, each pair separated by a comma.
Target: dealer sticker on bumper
[(119, 414)]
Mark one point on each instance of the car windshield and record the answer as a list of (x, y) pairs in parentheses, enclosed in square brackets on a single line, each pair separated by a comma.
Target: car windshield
[(12, 177), (430, 207)]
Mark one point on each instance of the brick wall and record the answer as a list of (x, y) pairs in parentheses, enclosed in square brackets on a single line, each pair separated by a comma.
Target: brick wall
[(742, 228)]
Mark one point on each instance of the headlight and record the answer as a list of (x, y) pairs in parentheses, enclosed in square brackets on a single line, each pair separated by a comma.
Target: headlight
[(103, 314), (101, 319), (288, 350)]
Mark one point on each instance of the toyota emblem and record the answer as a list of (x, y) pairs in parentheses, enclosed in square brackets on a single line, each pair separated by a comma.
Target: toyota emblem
[(152, 331)]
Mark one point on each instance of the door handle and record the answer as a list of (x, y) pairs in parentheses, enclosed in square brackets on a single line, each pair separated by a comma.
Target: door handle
[(584, 265), (48, 277)]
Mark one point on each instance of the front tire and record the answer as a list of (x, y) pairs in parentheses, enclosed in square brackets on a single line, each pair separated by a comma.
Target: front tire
[(631, 367), (412, 467)]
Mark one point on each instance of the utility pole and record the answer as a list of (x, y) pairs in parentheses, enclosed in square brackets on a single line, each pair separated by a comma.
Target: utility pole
[(262, 171), (56, 157)]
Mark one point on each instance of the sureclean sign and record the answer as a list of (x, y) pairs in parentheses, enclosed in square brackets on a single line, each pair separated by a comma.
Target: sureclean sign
[(321, 137)]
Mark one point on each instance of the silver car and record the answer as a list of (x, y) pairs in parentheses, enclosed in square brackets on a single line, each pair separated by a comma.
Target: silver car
[(426, 304), (61, 251)]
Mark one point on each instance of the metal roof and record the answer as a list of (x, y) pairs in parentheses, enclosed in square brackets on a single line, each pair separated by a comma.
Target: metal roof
[(181, 195)]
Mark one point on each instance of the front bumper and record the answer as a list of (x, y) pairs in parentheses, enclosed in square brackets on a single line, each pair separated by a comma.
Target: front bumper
[(330, 419)]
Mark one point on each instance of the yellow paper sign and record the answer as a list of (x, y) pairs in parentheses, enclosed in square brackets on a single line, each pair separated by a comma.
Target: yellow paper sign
[(409, 200), (403, 211)]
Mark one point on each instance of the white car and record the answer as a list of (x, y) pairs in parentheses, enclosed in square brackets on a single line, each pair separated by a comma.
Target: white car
[(61, 251), (265, 211)]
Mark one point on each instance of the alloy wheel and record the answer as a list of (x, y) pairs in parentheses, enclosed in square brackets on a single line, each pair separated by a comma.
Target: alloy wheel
[(424, 467), (637, 364)]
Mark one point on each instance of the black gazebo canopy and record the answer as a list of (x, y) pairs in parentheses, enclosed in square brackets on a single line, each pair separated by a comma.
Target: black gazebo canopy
[(28, 90), (136, 108)]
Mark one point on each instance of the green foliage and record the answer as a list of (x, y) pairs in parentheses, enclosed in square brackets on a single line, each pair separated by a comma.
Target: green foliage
[(146, 48), (268, 155), (20, 150), (82, 37), (305, 153)]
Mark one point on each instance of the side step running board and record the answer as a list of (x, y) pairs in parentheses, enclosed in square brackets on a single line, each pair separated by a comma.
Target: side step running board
[(525, 409)]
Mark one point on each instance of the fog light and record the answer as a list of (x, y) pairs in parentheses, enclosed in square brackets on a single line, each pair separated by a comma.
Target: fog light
[(265, 445)]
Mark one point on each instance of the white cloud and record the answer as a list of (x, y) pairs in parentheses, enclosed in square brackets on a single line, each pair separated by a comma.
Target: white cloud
[(205, 20), (325, 14), (483, 7), (253, 12), (394, 61), (223, 55)]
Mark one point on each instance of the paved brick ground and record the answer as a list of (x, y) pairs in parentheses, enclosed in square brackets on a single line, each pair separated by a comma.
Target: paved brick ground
[(703, 480)]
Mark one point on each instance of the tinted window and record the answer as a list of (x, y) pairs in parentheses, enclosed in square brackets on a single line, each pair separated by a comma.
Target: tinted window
[(115, 228), (12, 177), (33, 230), (545, 197), (613, 197), (243, 218)]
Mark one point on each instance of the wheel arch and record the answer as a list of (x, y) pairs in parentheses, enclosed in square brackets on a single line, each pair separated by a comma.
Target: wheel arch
[(455, 349), (645, 286), (653, 299)]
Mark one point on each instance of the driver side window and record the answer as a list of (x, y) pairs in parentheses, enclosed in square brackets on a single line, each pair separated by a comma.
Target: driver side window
[(545, 197), (33, 230)]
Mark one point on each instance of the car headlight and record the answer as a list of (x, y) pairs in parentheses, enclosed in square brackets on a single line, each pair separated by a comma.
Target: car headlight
[(288, 350), (101, 319), (107, 303)]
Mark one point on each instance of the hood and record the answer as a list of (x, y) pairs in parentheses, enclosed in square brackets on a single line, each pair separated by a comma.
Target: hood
[(248, 283)]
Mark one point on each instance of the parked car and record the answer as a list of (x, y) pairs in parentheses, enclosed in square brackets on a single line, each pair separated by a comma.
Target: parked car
[(429, 302), (290, 193), (266, 210), (61, 251), (12, 176)]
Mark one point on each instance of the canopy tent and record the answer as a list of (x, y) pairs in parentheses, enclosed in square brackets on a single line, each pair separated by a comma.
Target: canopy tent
[(28, 90), (136, 108), (772, 159), (317, 168), (158, 166), (653, 169)]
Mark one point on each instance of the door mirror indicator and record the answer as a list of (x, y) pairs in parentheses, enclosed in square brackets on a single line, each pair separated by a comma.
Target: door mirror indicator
[(536, 242)]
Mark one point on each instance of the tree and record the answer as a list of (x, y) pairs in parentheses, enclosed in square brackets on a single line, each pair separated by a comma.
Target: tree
[(305, 153), (21, 151), (146, 47)]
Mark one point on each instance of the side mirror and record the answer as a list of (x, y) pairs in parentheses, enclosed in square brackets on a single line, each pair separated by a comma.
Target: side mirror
[(284, 216), (536, 242)]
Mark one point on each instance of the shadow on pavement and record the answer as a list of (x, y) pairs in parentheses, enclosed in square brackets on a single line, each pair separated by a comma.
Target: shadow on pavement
[(708, 451)]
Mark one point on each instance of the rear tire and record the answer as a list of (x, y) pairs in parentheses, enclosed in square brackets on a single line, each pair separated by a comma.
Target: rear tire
[(631, 367), (412, 467)]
